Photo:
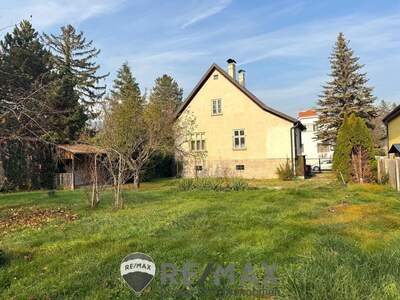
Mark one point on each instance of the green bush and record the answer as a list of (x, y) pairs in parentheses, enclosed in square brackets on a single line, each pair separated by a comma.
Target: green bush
[(352, 134), (285, 172), (212, 184)]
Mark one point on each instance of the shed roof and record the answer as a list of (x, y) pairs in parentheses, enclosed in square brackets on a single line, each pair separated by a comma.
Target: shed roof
[(81, 148)]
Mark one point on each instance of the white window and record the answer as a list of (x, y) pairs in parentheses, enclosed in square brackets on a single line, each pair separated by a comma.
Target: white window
[(310, 127), (216, 107), (239, 139), (198, 142)]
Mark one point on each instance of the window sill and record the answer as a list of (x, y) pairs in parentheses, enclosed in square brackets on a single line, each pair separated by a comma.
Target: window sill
[(239, 149), (215, 115)]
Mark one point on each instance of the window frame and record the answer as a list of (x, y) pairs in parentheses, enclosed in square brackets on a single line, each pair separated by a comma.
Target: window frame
[(240, 136), (198, 142), (218, 112)]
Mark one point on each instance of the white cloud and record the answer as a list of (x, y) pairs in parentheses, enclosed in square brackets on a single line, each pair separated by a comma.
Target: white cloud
[(207, 11), (46, 13)]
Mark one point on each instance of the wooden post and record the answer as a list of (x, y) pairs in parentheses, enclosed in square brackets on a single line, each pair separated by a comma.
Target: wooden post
[(398, 174), (379, 170), (73, 173)]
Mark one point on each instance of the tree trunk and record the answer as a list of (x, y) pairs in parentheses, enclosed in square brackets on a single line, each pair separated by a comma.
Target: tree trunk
[(136, 180)]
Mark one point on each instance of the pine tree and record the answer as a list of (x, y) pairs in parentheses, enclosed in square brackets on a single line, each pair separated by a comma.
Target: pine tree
[(354, 144), (73, 55), (347, 92)]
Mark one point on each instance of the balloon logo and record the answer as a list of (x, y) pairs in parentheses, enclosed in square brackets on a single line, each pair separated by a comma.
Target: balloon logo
[(138, 270)]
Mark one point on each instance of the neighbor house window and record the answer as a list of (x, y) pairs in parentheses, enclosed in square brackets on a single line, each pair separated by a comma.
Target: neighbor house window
[(239, 167), (310, 127), (239, 139), (198, 142), (217, 106), (315, 127)]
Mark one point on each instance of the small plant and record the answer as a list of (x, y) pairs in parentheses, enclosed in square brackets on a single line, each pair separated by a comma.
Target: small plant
[(3, 258), (285, 172), (217, 184)]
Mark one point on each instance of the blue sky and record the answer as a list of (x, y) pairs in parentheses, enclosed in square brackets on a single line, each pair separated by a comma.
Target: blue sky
[(283, 45)]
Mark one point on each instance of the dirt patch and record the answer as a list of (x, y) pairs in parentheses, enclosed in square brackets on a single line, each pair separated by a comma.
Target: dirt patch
[(18, 218)]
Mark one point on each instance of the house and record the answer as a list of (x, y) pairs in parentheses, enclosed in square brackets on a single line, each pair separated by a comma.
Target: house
[(237, 133), (392, 122), (313, 149)]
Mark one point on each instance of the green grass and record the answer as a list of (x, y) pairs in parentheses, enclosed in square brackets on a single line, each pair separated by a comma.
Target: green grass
[(323, 249)]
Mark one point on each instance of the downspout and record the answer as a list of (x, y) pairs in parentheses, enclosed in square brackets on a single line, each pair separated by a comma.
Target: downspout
[(292, 148)]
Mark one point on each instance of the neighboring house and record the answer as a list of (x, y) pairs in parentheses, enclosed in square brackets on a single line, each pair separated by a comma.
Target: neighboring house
[(237, 133), (392, 122), (313, 149)]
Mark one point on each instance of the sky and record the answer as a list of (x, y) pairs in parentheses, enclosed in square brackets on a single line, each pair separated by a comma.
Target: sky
[(284, 46)]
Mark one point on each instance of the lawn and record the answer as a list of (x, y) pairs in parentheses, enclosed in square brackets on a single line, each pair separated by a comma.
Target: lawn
[(327, 241)]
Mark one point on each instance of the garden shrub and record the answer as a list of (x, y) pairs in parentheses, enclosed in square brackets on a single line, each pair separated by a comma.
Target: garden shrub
[(285, 172)]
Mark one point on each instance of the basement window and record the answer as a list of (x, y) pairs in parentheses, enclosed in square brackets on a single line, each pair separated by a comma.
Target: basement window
[(239, 167), (198, 168)]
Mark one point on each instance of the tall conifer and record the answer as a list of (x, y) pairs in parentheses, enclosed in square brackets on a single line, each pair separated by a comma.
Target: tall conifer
[(345, 93)]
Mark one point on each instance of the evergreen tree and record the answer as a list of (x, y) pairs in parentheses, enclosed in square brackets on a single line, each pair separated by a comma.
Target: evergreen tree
[(347, 92), (167, 92), (25, 70), (354, 150), (165, 98), (79, 89), (125, 86)]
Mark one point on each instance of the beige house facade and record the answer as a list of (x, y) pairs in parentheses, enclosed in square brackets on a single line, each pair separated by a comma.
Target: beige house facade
[(235, 133)]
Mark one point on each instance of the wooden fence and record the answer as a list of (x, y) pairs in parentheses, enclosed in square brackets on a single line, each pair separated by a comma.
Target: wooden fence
[(389, 170)]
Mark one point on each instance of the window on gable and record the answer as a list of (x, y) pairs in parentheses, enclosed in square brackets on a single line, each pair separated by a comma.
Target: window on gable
[(239, 139), (198, 142), (215, 76), (216, 107)]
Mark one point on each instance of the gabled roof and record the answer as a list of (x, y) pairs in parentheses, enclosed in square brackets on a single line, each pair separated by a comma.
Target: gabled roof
[(393, 114), (257, 101)]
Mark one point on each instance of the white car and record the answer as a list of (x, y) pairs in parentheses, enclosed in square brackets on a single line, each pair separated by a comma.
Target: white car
[(326, 165)]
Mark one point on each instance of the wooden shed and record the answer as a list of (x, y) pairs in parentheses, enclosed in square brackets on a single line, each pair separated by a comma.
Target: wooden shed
[(74, 164)]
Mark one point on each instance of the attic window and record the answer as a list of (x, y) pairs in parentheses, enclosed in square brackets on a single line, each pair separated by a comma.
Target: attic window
[(215, 76)]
